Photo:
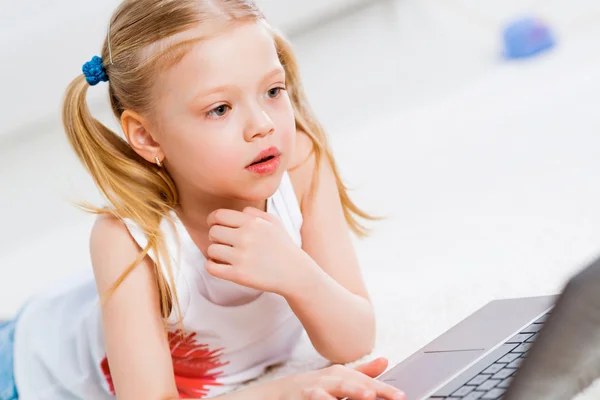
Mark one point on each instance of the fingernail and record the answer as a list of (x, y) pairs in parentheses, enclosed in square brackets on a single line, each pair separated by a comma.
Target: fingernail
[(368, 394), (399, 396)]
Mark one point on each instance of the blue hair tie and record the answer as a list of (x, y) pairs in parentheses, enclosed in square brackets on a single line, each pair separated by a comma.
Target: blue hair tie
[(94, 71)]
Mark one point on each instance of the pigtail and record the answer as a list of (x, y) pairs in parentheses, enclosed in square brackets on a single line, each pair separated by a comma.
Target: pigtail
[(307, 122), (136, 189)]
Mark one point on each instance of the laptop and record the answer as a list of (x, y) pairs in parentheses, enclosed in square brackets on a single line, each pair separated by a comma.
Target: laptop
[(532, 348)]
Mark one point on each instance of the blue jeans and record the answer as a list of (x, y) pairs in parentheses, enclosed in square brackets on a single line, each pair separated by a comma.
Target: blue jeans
[(8, 388)]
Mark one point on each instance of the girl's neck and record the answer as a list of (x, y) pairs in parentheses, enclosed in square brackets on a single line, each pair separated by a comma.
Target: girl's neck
[(193, 212)]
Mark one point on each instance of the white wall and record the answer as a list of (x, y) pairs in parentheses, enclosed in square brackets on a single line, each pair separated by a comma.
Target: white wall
[(44, 43)]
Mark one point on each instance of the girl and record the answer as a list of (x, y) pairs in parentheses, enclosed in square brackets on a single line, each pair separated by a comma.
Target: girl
[(226, 233)]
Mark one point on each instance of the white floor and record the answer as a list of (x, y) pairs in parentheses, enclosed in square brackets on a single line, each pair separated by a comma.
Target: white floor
[(487, 170)]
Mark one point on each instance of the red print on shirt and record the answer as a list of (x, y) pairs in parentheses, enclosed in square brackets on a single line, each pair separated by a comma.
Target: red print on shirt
[(196, 367)]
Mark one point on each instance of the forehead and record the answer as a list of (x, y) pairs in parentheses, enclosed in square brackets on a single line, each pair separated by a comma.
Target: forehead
[(239, 55)]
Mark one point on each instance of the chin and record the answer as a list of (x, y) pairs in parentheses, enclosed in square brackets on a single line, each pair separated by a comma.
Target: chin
[(261, 189)]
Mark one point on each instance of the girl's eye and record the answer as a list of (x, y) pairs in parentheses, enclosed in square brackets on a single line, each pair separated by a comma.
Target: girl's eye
[(273, 93), (219, 111)]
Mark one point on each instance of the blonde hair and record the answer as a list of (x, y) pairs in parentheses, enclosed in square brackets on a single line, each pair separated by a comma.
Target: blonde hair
[(139, 190)]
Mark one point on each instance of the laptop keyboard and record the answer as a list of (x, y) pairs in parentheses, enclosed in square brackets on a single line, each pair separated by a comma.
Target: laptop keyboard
[(490, 377)]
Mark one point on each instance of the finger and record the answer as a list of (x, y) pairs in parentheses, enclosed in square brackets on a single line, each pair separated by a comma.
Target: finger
[(387, 392), (223, 235), (317, 394), (226, 217), (221, 253), (373, 368), (222, 271), (255, 212), (346, 388), (383, 390)]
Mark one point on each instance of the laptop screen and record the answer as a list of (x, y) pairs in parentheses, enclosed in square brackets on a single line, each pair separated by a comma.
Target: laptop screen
[(565, 358)]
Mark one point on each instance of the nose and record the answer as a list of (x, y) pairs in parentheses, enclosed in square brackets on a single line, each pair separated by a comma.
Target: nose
[(259, 124)]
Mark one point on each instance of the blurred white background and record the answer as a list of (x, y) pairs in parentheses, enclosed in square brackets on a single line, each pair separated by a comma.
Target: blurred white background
[(487, 169)]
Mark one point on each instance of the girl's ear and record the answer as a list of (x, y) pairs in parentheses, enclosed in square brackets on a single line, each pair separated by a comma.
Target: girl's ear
[(140, 139)]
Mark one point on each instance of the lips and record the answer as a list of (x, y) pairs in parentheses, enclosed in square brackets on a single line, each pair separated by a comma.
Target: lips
[(265, 155), (266, 163)]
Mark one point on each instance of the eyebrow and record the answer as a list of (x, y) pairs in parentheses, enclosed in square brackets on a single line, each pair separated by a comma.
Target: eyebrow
[(218, 89), (276, 71)]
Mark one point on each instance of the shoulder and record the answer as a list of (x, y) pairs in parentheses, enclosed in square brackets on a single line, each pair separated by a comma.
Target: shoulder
[(109, 230), (303, 166), (112, 249)]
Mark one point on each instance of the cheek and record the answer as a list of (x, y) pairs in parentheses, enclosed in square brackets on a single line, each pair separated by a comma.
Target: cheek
[(288, 140), (225, 159), (286, 125), (203, 159), (215, 159)]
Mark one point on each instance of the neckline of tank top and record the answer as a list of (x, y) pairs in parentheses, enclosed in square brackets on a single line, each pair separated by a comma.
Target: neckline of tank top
[(186, 238)]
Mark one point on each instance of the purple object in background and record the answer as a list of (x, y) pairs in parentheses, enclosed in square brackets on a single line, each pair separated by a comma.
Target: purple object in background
[(527, 37)]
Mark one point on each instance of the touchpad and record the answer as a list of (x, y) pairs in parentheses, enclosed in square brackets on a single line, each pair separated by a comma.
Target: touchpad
[(426, 371)]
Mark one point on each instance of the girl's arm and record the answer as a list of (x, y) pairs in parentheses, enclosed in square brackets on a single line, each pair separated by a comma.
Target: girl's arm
[(332, 302), (335, 382), (136, 342)]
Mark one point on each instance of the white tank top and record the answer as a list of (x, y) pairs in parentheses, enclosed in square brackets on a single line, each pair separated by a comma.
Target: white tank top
[(230, 333)]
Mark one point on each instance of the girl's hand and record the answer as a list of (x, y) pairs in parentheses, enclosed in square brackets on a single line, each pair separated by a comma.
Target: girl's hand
[(341, 382), (253, 249)]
